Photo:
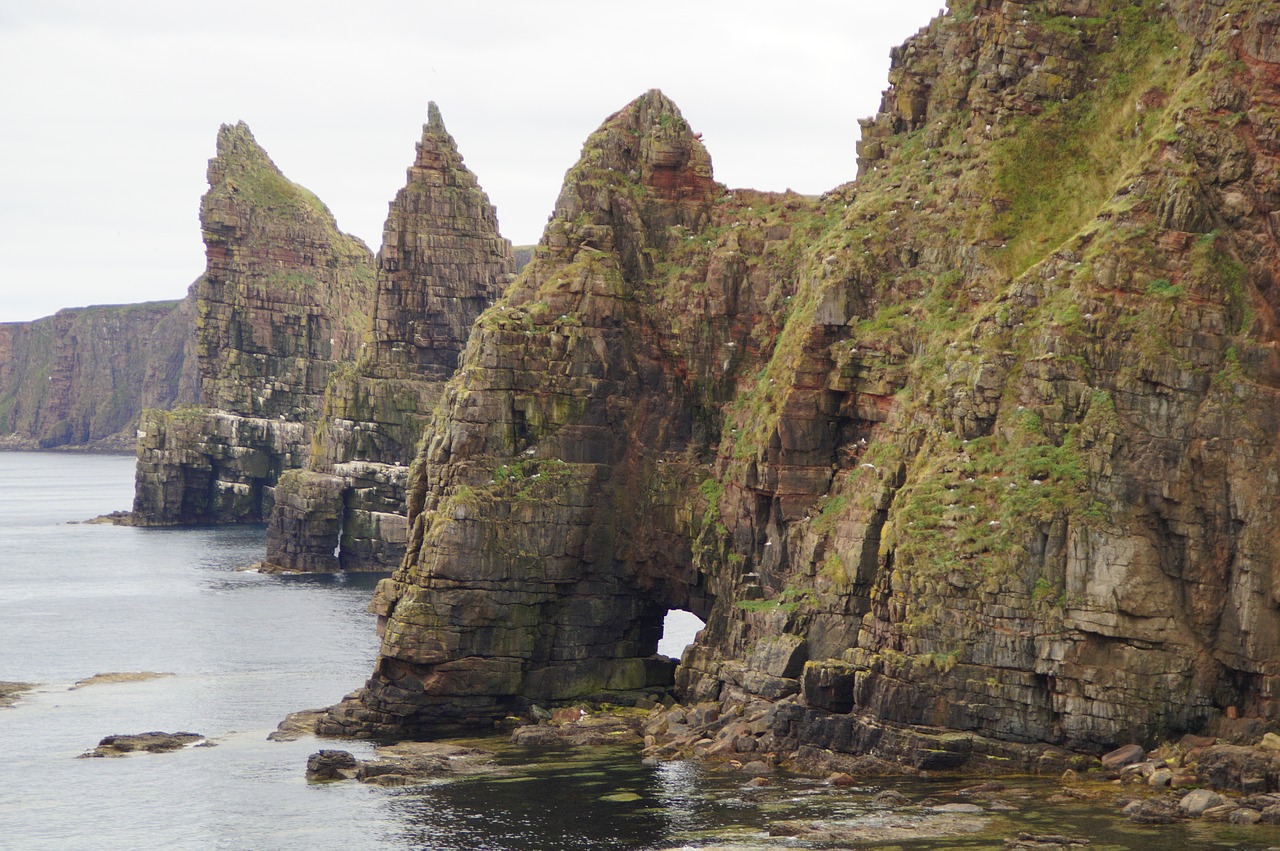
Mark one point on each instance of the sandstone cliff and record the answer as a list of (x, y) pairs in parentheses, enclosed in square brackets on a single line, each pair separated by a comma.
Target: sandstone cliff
[(81, 377), (284, 300), (442, 262), (970, 458)]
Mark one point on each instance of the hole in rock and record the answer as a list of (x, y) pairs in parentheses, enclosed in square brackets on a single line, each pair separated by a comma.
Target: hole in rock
[(679, 628)]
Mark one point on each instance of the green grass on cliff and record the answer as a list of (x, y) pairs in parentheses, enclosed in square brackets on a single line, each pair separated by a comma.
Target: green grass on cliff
[(267, 189), (1057, 169)]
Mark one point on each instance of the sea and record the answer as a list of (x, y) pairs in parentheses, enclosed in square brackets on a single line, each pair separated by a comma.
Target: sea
[(238, 651)]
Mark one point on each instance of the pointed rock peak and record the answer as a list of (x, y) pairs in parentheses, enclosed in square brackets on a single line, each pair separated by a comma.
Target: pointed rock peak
[(233, 138), (434, 122), (646, 149), (650, 141), (653, 109), (434, 134), (230, 134), (237, 149), (243, 172), (437, 150)]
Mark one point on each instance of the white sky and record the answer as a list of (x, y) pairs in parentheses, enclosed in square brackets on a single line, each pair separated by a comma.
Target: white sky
[(109, 110)]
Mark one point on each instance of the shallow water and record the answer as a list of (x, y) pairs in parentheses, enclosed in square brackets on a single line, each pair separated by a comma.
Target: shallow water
[(245, 650)]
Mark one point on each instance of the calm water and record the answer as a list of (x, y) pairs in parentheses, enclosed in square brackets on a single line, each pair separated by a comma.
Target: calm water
[(244, 649)]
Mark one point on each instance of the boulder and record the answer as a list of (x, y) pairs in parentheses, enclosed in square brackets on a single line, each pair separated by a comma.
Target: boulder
[(328, 765), (891, 798), (1122, 756), (1194, 803), (1239, 767), (1152, 811)]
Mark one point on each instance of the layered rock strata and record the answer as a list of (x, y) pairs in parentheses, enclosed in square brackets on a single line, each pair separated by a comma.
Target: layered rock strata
[(284, 300), (968, 459), (549, 506), (81, 377), (442, 263)]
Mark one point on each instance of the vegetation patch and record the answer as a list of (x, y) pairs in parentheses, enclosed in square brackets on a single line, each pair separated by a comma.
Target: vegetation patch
[(1056, 169)]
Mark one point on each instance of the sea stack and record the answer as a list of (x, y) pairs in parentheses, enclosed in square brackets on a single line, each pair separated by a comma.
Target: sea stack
[(442, 262), (284, 299)]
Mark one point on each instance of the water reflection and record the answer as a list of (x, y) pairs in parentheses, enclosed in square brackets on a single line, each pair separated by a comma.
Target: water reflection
[(680, 795), (567, 800)]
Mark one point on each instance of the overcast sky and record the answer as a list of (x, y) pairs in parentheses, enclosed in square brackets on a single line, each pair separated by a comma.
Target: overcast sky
[(109, 110)]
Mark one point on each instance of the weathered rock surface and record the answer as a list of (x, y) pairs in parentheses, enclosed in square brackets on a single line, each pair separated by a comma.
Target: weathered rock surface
[(538, 469), (326, 765), (403, 764), (11, 692), (153, 742), (1239, 767), (964, 462), (879, 828), (81, 377), (1044, 842), (284, 300), (442, 262), (1124, 755), (575, 727), (1195, 802), (112, 677), (296, 725), (1153, 811)]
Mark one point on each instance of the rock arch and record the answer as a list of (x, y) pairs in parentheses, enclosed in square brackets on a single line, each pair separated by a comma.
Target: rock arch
[(555, 497)]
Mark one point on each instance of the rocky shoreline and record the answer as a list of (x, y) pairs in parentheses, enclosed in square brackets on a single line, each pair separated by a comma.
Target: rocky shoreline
[(828, 799), (1198, 778), (112, 445)]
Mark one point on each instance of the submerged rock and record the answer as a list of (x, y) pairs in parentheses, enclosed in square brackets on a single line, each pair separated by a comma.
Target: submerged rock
[(1044, 842), (402, 764), (891, 798), (153, 742), (10, 692), (955, 808), (1152, 811), (878, 828), (119, 677)]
